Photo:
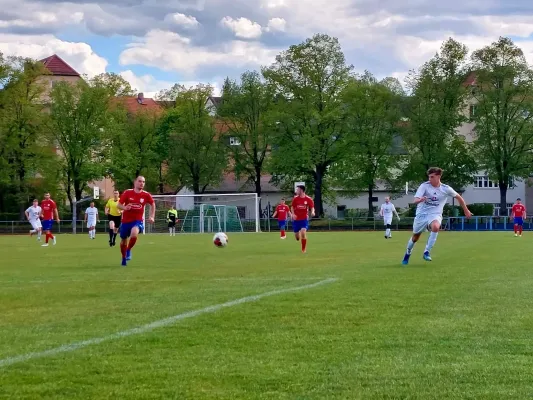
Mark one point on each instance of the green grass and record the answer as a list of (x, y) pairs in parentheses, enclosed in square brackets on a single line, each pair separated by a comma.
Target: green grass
[(457, 328)]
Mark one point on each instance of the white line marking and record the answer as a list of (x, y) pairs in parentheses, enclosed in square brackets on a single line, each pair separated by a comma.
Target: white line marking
[(157, 324)]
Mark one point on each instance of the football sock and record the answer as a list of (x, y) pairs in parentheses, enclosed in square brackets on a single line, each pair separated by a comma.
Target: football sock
[(114, 237), (170, 230), (132, 242), (431, 241), (48, 237), (410, 245), (304, 244), (111, 236), (516, 229), (282, 232), (520, 229), (387, 232), (123, 249)]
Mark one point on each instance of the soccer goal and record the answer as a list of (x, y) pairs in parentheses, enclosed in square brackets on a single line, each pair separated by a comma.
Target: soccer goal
[(206, 213)]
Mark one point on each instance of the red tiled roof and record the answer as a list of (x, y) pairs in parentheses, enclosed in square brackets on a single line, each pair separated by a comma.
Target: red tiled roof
[(470, 79), (58, 67), (132, 104)]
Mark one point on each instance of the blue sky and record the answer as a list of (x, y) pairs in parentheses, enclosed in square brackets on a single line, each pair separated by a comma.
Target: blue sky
[(156, 43)]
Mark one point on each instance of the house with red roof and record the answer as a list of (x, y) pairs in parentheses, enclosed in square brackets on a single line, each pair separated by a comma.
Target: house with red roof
[(59, 71)]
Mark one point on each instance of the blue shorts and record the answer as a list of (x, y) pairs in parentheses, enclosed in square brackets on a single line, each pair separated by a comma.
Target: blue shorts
[(282, 224), (518, 221), (125, 228), (47, 225), (298, 225)]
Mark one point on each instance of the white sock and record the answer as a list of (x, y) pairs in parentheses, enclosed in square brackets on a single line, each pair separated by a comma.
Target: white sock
[(387, 232), (410, 245), (431, 240)]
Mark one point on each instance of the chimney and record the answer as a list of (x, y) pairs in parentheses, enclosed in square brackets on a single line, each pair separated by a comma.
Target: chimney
[(140, 98)]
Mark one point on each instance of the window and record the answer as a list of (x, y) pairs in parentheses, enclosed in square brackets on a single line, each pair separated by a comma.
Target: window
[(483, 182), (472, 111), (233, 141), (341, 212)]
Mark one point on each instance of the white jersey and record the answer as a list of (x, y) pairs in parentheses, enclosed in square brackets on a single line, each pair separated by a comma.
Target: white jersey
[(437, 197), (387, 209), (34, 213), (91, 213)]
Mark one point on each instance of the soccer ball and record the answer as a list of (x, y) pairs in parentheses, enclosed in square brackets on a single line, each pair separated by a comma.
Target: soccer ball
[(220, 239)]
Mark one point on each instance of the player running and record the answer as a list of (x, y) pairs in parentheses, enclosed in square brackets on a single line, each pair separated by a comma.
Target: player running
[(113, 216), (49, 210), (172, 218), (282, 212), (300, 206), (91, 217), (33, 215), (386, 211), (518, 212), (430, 198), (132, 202)]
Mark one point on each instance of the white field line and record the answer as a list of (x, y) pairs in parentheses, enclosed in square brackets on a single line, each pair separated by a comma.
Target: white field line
[(157, 324)]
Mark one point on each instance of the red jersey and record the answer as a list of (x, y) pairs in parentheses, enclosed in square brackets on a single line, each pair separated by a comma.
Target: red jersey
[(137, 202), (48, 207), (301, 205), (519, 211), (281, 211)]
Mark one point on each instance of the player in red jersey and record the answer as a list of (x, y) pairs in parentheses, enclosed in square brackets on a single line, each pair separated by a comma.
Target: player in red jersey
[(301, 204), (282, 211), (49, 210), (132, 202), (518, 212)]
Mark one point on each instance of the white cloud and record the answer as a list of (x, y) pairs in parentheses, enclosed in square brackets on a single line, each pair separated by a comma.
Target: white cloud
[(277, 25), (273, 4), (78, 55), (171, 51), (150, 86), (243, 27), (186, 21)]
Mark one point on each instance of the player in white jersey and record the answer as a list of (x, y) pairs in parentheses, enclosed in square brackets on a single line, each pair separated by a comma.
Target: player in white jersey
[(430, 198), (91, 217), (33, 215), (386, 211)]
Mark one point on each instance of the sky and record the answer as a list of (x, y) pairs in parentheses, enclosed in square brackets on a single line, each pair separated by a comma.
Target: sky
[(156, 43)]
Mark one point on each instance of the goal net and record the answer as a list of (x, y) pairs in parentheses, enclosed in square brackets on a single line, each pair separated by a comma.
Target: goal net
[(206, 213)]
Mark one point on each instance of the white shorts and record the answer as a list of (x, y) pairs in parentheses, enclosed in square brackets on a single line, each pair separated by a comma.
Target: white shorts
[(423, 222), (36, 224), (91, 224), (387, 220)]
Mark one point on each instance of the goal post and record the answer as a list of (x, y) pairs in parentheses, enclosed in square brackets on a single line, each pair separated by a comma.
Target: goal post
[(206, 213)]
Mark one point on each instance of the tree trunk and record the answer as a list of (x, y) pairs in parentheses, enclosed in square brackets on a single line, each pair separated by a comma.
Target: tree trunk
[(319, 179), (503, 198), (161, 185), (78, 191), (257, 181), (196, 186), (370, 202), (22, 192)]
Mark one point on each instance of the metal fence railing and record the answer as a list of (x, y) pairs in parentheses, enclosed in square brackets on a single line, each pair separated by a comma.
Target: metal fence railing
[(476, 223)]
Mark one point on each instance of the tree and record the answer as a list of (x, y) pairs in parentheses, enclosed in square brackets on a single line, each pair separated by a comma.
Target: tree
[(503, 113), (79, 125), (116, 84), (373, 114), (246, 114), (136, 146), (197, 158), (24, 153), (308, 79), (435, 111)]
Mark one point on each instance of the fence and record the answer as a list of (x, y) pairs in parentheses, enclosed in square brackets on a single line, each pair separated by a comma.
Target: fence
[(269, 225)]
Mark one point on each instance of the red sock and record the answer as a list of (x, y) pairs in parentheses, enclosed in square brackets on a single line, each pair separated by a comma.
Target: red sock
[(132, 242), (516, 229), (47, 237), (282, 232), (123, 249), (304, 244), (521, 228)]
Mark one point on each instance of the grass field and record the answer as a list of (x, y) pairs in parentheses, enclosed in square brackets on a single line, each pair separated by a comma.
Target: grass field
[(460, 327)]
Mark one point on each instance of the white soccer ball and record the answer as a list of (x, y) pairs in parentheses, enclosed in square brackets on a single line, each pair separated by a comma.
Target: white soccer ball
[(220, 239)]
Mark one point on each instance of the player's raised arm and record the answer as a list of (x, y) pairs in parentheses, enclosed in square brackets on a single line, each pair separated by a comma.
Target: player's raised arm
[(463, 205)]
